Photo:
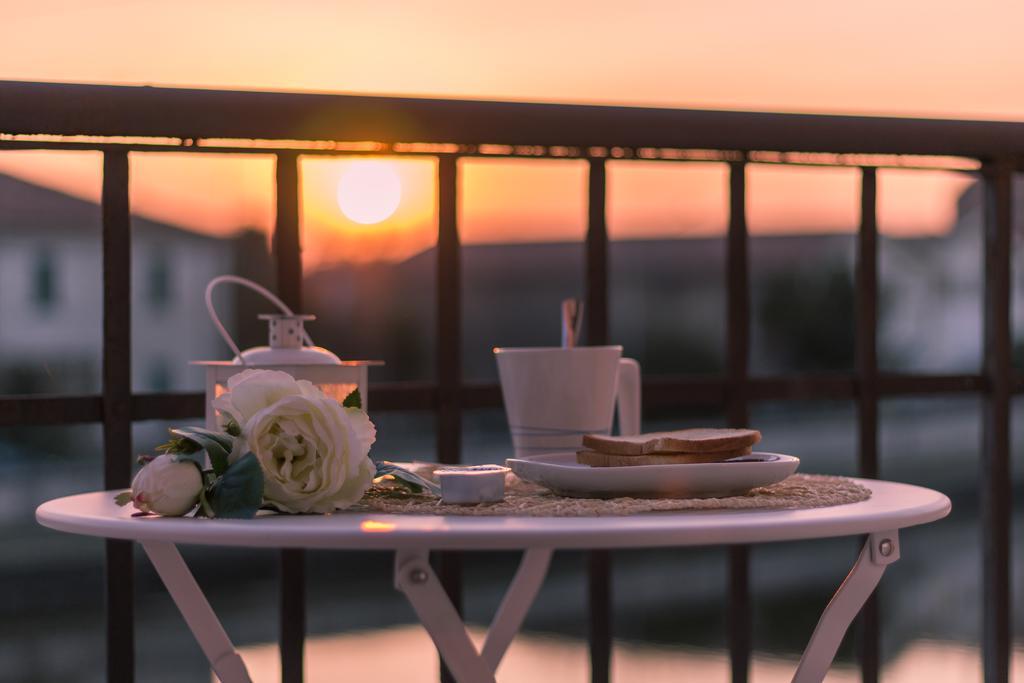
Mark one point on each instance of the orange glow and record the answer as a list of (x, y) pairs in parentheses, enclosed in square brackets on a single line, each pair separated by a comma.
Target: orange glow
[(795, 199), (931, 57), (211, 193), (502, 200), (914, 203), (884, 58), (76, 173), (329, 235), (515, 200), (339, 392), (216, 194), (372, 526), (649, 199)]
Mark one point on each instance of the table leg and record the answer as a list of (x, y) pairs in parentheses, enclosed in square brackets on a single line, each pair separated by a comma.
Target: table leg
[(416, 579), (196, 610), (880, 550), (516, 603)]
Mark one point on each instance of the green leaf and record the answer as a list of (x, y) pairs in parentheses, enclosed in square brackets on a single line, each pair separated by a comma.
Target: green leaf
[(123, 498), (226, 441), (204, 509), (410, 480), (197, 457), (238, 493), (178, 445), (217, 446), (353, 400)]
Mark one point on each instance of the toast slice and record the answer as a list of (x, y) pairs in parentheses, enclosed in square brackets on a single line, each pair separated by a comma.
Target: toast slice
[(596, 459), (680, 441)]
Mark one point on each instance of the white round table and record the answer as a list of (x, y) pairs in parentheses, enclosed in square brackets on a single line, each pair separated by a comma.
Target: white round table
[(891, 507)]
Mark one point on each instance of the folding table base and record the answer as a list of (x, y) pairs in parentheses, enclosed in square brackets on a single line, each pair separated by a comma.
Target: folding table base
[(416, 579), (879, 551), (196, 610)]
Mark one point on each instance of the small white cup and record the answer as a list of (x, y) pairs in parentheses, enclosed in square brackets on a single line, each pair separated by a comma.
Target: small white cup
[(553, 396), (473, 484)]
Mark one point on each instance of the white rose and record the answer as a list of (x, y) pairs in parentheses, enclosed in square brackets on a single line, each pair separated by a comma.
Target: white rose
[(314, 453), (167, 487)]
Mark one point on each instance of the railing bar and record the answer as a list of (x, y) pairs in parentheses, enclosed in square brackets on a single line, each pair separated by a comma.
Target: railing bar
[(449, 313), (449, 354), (905, 385), (116, 403), (737, 408), (37, 410), (867, 400), (996, 506), (595, 315), (286, 247), (658, 391), (599, 614), (596, 283), (738, 296), (288, 267)]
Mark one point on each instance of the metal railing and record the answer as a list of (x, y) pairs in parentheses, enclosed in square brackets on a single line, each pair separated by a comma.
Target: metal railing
[(117, 120)]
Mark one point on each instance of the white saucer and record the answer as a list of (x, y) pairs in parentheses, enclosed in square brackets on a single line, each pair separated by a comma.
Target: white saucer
[(562, 474)]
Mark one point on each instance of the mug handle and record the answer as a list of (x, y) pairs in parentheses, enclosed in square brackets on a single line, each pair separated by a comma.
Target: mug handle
[(628, 397)]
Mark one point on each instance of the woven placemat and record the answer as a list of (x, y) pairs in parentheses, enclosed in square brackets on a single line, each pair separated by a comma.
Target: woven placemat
[(523, 499)]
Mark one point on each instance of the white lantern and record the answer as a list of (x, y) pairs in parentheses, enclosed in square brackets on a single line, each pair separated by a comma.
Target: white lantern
[(289, 349)]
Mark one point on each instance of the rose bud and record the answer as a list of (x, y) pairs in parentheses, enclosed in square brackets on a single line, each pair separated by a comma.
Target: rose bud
[(166, 487)]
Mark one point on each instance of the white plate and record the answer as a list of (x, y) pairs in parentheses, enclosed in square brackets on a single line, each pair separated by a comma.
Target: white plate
[(562, 474)]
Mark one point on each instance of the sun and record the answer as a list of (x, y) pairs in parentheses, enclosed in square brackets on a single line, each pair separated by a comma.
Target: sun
[(369, 191)]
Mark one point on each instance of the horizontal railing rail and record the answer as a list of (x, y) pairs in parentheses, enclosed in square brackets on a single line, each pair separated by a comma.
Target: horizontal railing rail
[(116, 120), (659, 391), (189, 114)]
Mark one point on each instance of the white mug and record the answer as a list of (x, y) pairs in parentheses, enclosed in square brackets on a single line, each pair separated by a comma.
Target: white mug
[(553, 396)]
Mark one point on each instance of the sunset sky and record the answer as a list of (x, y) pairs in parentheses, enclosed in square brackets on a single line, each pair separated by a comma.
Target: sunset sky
[(908, 58)]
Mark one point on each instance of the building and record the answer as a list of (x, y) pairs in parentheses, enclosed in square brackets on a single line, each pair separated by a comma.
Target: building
[(51, 296)]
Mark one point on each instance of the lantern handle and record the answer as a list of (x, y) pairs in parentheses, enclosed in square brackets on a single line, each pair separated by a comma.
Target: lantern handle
[(259, 289)]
